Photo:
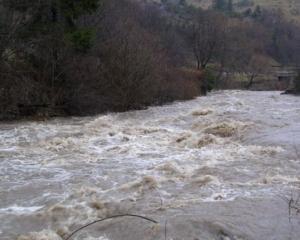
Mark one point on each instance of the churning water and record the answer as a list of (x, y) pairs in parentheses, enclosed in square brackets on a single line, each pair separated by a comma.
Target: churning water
[(218, 167)]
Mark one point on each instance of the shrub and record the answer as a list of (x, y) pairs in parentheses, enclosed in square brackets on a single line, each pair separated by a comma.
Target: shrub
[(297, 83), (210, 78)]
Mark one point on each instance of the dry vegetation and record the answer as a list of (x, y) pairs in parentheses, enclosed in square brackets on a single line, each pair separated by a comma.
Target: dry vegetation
[(59, 57)]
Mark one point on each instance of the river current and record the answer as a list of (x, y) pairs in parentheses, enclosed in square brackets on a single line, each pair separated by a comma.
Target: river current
[(221, 167)]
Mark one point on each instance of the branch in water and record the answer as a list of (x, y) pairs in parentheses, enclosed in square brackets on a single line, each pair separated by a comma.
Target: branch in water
[(112, 217)]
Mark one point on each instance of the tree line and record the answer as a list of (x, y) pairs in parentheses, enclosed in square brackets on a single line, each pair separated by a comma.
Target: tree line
[(64, 57)]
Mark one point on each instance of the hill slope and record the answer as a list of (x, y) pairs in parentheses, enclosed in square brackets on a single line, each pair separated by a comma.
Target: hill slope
[(291, 8)]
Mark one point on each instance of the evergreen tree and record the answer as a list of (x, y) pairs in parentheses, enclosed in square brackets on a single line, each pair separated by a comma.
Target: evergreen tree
[(230, 6), (248, 12), (220, 5), (51, 17), (223, 6), (50, 30), (182, 2), (257, 12)]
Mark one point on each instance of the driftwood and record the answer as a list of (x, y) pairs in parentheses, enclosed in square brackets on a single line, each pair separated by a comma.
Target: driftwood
[(108, 218)]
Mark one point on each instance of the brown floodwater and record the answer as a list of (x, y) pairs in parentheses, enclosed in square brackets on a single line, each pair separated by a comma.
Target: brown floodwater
[(221, 167)]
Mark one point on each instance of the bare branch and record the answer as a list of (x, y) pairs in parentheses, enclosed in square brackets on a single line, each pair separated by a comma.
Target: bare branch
[(108, 218)]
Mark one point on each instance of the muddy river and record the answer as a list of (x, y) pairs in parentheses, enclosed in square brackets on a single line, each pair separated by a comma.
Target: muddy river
[(221, 167)]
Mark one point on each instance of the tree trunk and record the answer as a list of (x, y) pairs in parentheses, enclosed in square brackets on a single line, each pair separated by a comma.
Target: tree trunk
[(251, 81)]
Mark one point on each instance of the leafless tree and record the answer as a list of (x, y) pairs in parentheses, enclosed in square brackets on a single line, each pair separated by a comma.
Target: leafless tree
[(208, 37)]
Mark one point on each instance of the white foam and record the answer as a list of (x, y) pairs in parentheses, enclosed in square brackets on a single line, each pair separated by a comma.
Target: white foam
[(15, 209)]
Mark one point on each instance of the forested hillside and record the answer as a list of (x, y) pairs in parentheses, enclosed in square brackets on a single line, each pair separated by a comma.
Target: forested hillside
[(60, 57), (291, 8)]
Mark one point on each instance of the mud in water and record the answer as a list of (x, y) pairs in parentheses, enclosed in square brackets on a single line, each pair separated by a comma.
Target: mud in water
[(219, 167)]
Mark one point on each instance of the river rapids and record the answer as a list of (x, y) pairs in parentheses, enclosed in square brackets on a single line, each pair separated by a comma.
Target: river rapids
[(221, 167)]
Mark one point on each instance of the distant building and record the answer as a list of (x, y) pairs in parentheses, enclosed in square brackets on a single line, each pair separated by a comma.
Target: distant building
[(286, 77)]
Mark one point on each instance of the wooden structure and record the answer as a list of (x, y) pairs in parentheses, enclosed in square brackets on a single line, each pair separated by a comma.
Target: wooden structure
[(286, 76)]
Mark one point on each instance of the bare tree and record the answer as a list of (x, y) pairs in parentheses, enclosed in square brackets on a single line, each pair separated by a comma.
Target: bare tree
[(257, 65), (208, 37)]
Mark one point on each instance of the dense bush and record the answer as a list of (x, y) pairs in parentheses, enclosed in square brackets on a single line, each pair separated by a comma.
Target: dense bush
[(211, 78), (297, 83), (84, 59)]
